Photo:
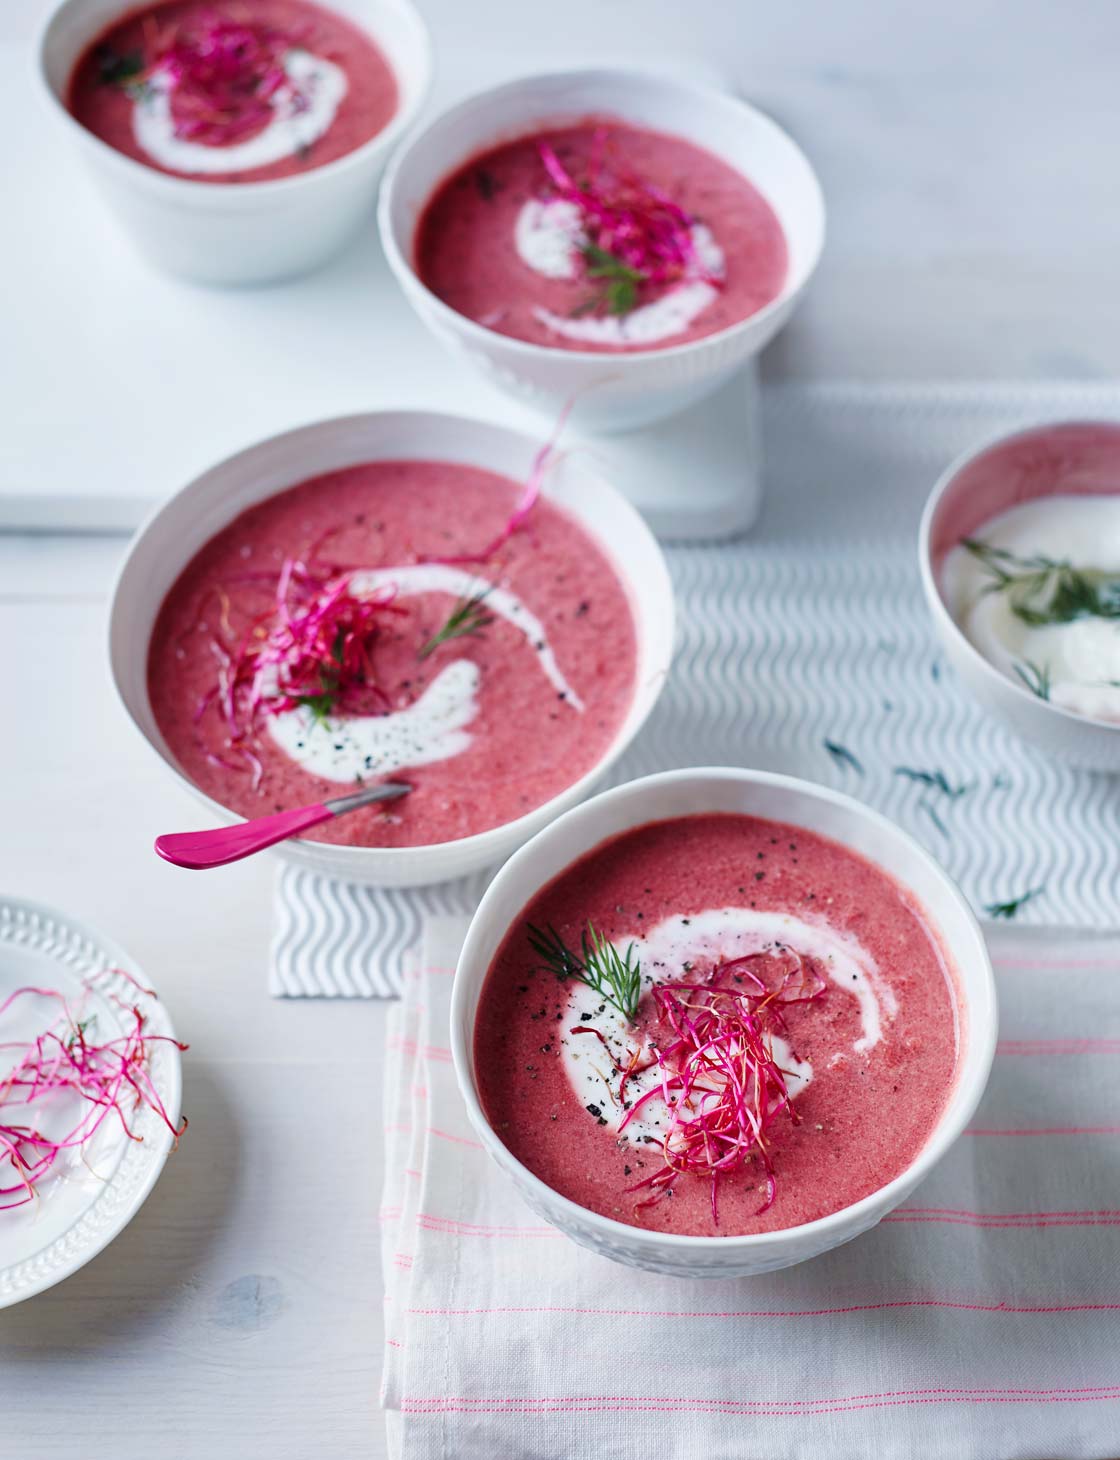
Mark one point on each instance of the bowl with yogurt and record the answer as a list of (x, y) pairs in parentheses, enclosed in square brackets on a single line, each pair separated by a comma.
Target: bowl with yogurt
[(402, 596), (613, 239), (238, 143), (717, 1021), (1020, 561)]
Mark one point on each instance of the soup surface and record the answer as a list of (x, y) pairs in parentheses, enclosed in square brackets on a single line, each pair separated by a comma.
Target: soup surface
[(228, 92), (398, 619), (717, 1025), (601, 236)]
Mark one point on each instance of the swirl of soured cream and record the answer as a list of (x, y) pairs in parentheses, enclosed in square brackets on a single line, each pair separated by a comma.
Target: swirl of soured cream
[(302, 112), (345, 748), (708, 938), (549, 236)]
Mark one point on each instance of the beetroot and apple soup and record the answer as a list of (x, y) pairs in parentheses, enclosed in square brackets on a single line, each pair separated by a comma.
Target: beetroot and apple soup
[(601, 236), (229, 92), (423, 621), (717, 1025)]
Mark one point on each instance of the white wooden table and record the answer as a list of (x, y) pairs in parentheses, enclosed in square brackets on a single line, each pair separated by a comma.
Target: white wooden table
[(964, 152)]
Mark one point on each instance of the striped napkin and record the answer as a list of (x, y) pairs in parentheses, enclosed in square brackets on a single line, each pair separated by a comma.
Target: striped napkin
[(979, 1322)]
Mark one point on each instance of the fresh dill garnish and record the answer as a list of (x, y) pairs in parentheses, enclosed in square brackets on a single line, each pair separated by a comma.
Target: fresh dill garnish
[(1036, 677), (935, 781), (931, 811), (468, 617), (619, 294), (616, 977), (115, 68), (843, 757), (320, 705), (1011, 907), (1042, 590)]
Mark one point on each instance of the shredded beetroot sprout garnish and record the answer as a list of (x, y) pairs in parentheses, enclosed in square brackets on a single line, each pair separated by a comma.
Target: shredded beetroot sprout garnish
[(529, 497), (111, 1080), (314, 647), (226, 75), (717, 1075), (629, 219)]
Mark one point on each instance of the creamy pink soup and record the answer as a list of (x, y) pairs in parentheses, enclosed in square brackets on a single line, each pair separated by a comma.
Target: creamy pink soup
[(484, 724), (230, 92), (844, 980), (503, 242)]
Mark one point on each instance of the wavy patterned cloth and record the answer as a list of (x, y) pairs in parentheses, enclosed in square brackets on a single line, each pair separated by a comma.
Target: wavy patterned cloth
[(806, 648), (980, 1321)]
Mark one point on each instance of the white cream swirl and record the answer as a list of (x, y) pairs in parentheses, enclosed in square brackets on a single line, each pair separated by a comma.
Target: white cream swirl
[(347, 748), (707, 938), (549, 236), (302, 112)]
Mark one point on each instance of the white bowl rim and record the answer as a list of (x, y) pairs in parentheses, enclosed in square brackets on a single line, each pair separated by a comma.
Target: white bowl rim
[(404, 270), (475, 844), (973, 1069), (175, 184), (934, 596)]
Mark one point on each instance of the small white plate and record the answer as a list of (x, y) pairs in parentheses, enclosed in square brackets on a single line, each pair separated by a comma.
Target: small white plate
[(78, 1213)]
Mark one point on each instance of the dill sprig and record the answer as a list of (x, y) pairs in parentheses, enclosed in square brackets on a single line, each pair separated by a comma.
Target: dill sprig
[(115, 68), (619, 294), (616, 977), (1036, 677), (842, 757), (1043, 590), (322, 705), (468, 618), (1011, 907), (935, 781)]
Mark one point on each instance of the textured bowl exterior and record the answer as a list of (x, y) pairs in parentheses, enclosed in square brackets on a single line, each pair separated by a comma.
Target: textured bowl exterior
[(1075, 457), (175, 532), (608, 391), (241, 233), (681, 793)]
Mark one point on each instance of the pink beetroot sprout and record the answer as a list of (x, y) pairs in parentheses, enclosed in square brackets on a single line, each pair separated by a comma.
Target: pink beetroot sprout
[(314, 647), (226, 74), (110, 1079), (529, 498), (717, 1075), (629, 219)]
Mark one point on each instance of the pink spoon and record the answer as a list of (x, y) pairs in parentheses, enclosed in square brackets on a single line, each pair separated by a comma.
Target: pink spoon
[(201, 849)]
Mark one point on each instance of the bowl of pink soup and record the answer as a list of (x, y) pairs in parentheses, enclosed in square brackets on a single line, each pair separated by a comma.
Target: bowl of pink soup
[(1019, 551), (715, 1022), (237, 142), (611, 238), (399, 595)]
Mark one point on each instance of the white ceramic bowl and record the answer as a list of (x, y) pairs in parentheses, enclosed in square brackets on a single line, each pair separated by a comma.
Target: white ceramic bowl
[(1070, 457), (610, 391), (176, 531), (781, 798), (241, 233)]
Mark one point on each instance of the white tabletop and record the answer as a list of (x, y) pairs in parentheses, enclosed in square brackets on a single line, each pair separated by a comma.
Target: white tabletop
[(240, 1313), (967, 157)]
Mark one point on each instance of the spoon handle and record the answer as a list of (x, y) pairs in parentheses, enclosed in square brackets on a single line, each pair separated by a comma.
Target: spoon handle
[(199, 850)]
